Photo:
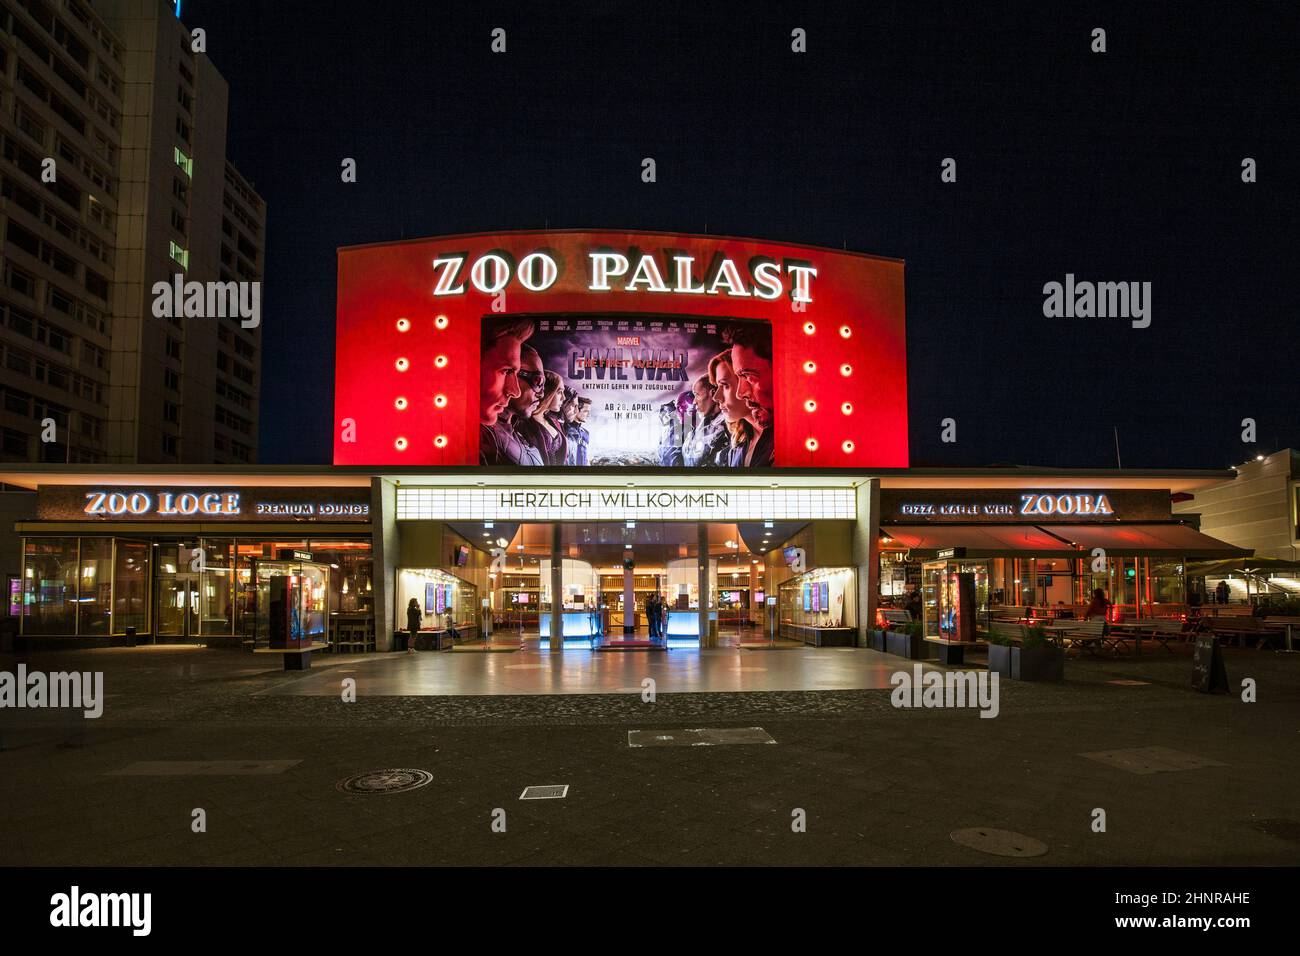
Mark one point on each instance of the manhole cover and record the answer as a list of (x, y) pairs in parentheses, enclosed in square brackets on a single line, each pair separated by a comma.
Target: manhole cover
[(999, 842), (549, 792), (1282, 829), (385, 781)]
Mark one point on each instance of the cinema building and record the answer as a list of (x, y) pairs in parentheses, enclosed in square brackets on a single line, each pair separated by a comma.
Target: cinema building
[(678, 442)]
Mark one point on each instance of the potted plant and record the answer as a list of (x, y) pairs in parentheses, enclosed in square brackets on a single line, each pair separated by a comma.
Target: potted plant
[(917, 648), (1037, 658), (897, 642), (1001, 651)]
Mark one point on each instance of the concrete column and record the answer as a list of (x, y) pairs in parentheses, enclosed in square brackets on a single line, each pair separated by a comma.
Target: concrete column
[(866, 553), (385, 545), (557, 584), (629, 601), (703, 543)]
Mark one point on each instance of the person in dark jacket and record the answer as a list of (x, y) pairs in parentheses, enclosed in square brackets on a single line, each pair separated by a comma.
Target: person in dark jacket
[(413, 618)]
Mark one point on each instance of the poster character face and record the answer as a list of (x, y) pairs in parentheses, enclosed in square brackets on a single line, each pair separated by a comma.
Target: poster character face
[(499, 377), (755, 387), (704, 396), (733, 406), (583, 410), (531, 380)]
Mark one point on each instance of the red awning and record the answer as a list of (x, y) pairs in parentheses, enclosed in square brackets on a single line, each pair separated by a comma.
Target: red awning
[(984, 541), (1147, 540)]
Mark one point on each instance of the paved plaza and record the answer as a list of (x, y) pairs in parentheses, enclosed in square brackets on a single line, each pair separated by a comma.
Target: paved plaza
[(1184, 778)]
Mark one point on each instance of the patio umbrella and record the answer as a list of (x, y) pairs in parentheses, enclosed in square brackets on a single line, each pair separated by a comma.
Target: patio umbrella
[(1260, 565)]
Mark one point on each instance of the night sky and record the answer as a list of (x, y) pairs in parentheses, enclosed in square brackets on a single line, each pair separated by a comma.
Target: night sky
[(1123, 166)]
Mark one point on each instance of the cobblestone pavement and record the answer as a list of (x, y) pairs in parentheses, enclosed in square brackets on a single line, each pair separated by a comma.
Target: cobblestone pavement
[(877, 785)]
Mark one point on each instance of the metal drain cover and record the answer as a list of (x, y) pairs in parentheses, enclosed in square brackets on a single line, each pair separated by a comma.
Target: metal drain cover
[(548, 792), (999, 842), (386, 781)]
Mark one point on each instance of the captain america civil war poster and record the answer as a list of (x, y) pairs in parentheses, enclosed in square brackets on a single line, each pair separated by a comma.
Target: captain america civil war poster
[(616, 390)]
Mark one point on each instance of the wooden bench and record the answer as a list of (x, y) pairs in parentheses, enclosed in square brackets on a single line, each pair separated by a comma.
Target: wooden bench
[(295, 658), (950, 652), (1288, 625), (1086, 636), (895, 618), (1241, 629)]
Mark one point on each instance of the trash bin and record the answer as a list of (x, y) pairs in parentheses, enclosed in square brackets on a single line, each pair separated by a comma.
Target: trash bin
[(130, 636)]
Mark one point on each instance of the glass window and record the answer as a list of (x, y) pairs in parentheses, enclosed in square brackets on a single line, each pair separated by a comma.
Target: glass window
[(130, 586), (94, 604), (216, 587), (49, 586), (351, 588)]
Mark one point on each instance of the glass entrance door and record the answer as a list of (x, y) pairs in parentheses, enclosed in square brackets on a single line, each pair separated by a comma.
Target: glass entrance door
[(178, 605)]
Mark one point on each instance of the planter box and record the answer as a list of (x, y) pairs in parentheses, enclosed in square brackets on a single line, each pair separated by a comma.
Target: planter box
[(1038, 663), (1000, 657), (878, 641), (897, 643)]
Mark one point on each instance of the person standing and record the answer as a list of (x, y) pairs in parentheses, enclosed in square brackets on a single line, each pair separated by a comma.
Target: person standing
[(543, 429), (1098, 606), (1221, 592), (751, 360), (413, 618), (577, 434), (709, 427)]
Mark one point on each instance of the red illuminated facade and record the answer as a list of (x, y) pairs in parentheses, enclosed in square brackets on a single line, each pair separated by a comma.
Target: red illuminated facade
[(410, 316)]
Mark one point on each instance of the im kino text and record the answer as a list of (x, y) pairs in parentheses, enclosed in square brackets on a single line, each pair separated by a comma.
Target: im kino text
[(761, 278)]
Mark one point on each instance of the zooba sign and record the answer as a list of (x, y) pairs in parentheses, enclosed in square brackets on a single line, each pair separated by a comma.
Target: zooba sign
[(1013, 505)]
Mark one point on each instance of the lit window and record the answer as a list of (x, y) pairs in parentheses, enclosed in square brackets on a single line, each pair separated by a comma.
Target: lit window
[(182, 256), (184, 162)]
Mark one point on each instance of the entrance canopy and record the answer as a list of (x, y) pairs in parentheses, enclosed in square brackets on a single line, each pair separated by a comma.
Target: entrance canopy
[(1147, 540), (1062, 541), (986, 541)]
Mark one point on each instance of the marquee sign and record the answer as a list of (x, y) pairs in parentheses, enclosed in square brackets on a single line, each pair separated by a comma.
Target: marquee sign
[(633, 504), (198, 503), (801, 348), (1032, 506)]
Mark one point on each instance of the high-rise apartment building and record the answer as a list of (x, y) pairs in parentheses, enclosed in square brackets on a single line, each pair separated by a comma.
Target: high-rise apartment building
[(114, 177)]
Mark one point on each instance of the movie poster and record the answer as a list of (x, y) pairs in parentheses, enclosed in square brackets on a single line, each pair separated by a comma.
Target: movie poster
[(589, 390)]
